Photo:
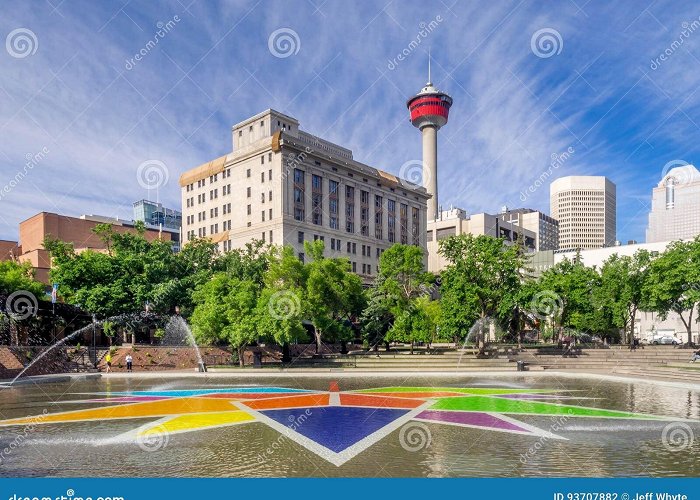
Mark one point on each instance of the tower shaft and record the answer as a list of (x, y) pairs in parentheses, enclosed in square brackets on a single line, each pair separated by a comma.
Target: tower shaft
[(430, 179)]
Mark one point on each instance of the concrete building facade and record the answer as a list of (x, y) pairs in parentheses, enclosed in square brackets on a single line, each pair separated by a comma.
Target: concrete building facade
[(675, 206), (456, 221), (545, 228), (585, 207), (285, 186)]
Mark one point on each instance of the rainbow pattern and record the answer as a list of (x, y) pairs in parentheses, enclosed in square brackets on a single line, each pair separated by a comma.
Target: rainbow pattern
[(337, 425)]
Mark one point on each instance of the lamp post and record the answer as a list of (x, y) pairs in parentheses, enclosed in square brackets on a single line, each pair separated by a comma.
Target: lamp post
[(94, 341)]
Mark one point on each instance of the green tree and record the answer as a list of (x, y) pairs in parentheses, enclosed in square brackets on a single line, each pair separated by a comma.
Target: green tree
[(226, 311), (16, 277), (401, 281), (482, 280), (673, 282), (621, 288), (333, 295)]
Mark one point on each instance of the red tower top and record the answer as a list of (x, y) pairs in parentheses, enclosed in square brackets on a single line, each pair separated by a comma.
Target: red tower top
[(429, 107)]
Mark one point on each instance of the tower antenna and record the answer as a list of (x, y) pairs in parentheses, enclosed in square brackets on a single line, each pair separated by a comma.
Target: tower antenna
[(429, 80)]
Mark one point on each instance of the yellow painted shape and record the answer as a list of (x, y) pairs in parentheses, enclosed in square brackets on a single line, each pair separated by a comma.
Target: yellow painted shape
[(165, 407), (196, 422)]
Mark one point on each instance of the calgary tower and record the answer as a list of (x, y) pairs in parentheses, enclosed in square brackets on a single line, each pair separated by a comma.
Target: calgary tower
[(429, 110)]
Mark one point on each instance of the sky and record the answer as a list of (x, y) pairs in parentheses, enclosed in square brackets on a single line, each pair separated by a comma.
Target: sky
[(88, 127)]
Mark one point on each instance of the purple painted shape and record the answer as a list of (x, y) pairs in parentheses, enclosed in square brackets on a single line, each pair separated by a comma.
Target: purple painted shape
[(470, 418), (128, 399)]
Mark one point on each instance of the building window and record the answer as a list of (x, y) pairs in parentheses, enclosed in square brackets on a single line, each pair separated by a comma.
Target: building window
[(299, 211), (333, 204), (269, 196), (248, 192), (269, 213), (415, 226), (262, 176), (403, 215), (354, 267), (263, 215), (269, 175), (247, 173), (391, 211), (364, 213), (301, 257), (378, 217), (300, 236), (270, 235), (349, 209), (249, 209), (262, 160), (317, 200)]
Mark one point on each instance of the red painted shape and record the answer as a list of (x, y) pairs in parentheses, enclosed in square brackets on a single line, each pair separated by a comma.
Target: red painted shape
[(290, 402), (248, 395), (378, 401), (334, 387)]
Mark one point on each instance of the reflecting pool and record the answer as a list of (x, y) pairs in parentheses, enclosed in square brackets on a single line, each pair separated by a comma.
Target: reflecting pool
[(363, 425)]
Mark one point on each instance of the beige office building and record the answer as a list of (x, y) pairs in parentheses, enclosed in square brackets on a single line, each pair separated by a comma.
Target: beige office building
[(585, 207), (545, 228), (456, 221), (675, 206), (285, 186)]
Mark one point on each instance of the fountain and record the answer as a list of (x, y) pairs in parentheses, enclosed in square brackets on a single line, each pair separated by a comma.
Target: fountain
[(178, 333), (483, 330), (52, 347)]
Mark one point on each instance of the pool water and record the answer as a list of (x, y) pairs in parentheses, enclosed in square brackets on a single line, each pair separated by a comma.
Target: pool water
[(364, 426)]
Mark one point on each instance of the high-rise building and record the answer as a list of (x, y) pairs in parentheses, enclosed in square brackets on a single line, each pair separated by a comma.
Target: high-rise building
[(585, 207), (675, 206), (285, 186), (545, 228)]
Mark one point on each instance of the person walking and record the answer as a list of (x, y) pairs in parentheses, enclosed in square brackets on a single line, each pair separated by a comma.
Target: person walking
[(129, 362), (108, 361)]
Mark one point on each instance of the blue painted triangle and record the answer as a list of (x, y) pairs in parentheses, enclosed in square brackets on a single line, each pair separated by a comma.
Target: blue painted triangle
[(335, 427)]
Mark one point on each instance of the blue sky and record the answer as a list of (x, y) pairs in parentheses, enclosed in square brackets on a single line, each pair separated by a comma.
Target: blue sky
[(71, 94)]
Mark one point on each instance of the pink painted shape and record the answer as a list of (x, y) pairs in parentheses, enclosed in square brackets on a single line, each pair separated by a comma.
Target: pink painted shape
[(470, 418)]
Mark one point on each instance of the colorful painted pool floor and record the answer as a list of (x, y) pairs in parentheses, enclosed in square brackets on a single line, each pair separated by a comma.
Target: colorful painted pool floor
[(336, 425)]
